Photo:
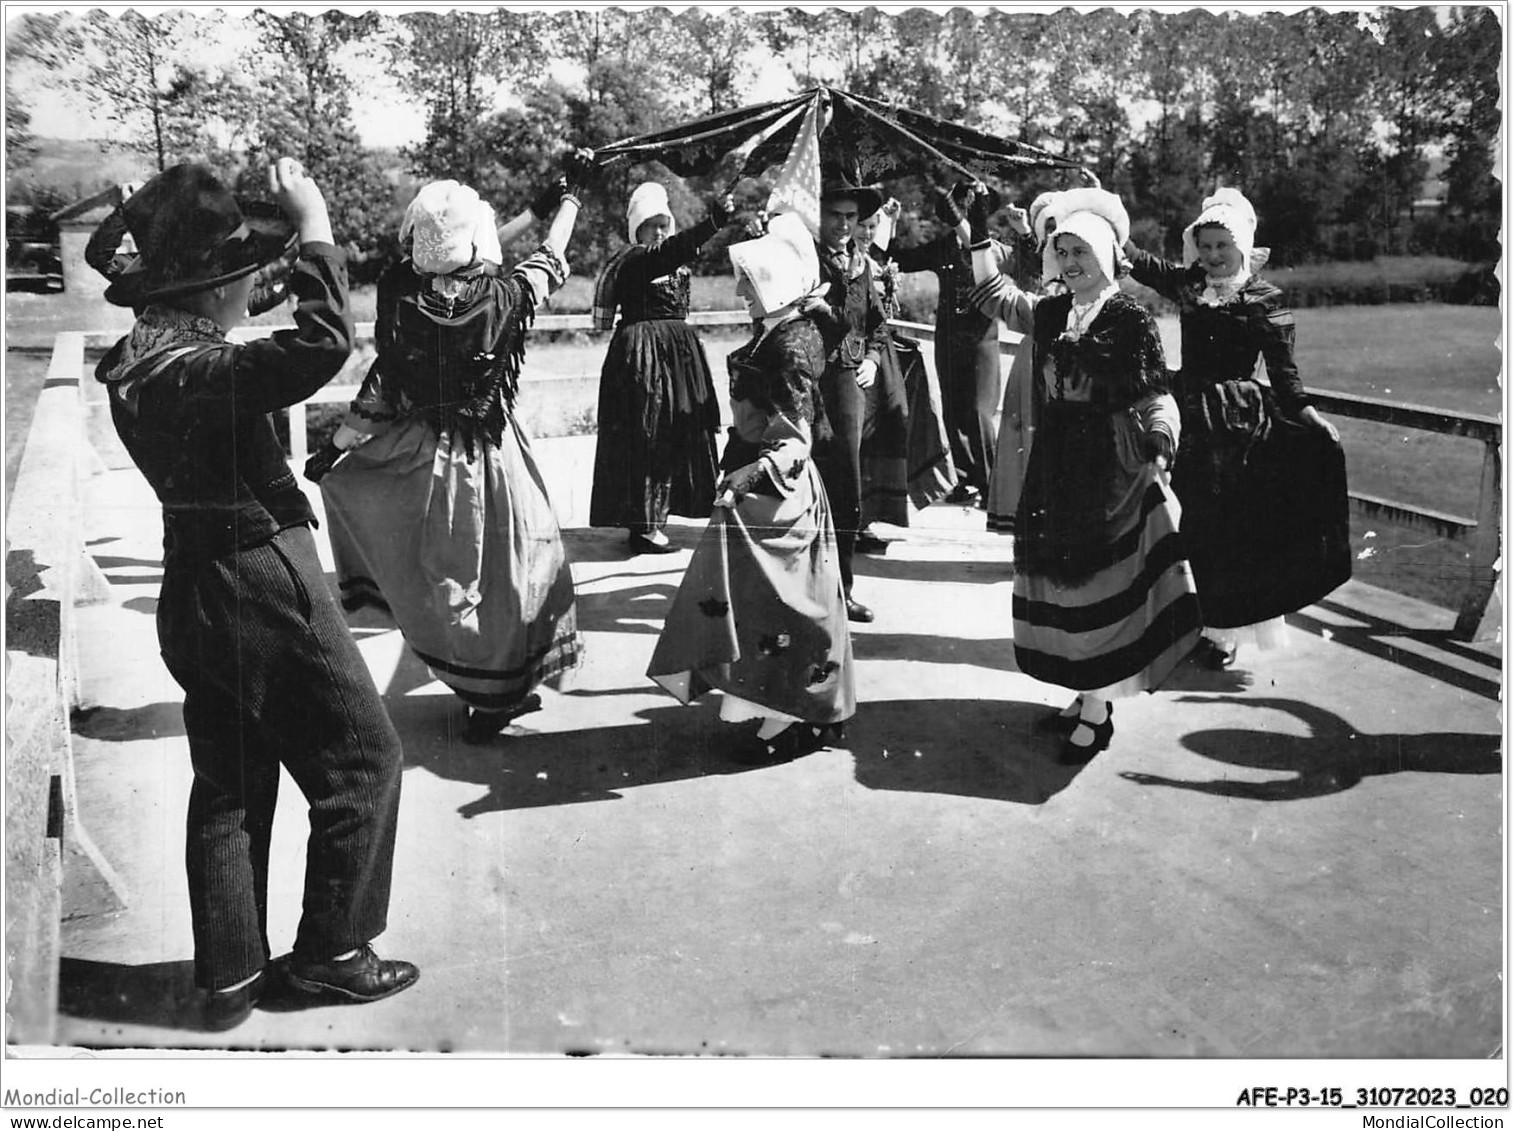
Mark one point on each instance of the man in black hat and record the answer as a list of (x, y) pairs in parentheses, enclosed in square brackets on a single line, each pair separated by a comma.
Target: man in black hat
[(854, 329), (246, 624), (967, 359)]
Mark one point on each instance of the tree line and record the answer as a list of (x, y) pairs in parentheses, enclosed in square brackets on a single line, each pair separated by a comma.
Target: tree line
[(1328, 120)]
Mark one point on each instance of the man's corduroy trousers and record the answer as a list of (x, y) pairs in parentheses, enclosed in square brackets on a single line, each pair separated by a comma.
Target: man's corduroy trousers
[(272, 677)]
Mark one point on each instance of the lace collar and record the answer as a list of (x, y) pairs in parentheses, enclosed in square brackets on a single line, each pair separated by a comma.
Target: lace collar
[(1083, 314), (1222, 292)]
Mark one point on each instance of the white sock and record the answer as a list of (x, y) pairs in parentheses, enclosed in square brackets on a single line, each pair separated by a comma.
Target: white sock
[(231, 989), (349, 954)]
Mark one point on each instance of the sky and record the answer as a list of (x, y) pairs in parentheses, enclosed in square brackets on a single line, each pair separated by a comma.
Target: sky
[(383, 115)]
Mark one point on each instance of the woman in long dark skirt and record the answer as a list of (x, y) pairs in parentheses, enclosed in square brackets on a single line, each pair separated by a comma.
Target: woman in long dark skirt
[(657, 410), (1261, 475)]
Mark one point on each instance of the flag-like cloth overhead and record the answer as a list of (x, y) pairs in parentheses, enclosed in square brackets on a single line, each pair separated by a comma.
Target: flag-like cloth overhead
[(875, 138)]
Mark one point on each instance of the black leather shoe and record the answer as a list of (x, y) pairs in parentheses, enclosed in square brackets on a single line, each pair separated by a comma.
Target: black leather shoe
[(364, 977), (483, 726), (226, 1009), (1215, 656), (859, 612), (640, 544), (794, 741), (964, 494), (1103, 734), (871, 544)]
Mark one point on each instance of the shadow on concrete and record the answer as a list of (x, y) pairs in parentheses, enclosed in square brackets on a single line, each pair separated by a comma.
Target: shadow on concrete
[(886, 568), (129, 724), (157, 993), (148, 605), (623, 609), (1192, 675), (996, 654), (152, 576), (1375, 639), (966, 748), (1332, 758), (161, 994), (526, 769), (963, 747), (106, 561), (31, 626)]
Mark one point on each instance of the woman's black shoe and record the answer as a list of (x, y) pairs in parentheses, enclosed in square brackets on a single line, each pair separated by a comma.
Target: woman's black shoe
[(963, 494), (640, 544), (1214, 656), (795, 741), (484, 725), (858, 612), (1103, 733)]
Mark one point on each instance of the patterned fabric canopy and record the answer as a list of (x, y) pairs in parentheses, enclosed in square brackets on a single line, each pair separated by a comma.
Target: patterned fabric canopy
[(875, 139)]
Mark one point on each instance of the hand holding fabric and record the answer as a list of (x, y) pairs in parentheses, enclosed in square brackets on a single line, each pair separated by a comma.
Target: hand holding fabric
[(579, 166), (1311, 417), (549, 198), (322, 461), (954, 204), (866, 373), (1159, 449), (738, 484)]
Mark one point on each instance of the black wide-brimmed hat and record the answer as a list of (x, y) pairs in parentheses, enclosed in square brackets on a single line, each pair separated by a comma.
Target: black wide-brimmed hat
[(837, 181), (192, 234)]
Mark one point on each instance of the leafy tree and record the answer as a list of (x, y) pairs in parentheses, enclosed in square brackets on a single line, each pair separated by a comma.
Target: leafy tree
[(310, 119), (132, 76), (454, 64), (713, 48), (1467, 62)]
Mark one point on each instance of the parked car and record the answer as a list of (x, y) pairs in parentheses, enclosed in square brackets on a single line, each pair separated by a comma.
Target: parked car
[(33, 249)]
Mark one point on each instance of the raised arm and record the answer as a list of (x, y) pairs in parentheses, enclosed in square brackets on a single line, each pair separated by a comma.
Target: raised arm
[(1161, 275), (994, 293)]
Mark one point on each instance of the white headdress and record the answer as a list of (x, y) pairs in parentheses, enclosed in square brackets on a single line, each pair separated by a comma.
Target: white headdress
[(1095, 216), (1228, 208), (647, 202), (453, 228), (783, 265)]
